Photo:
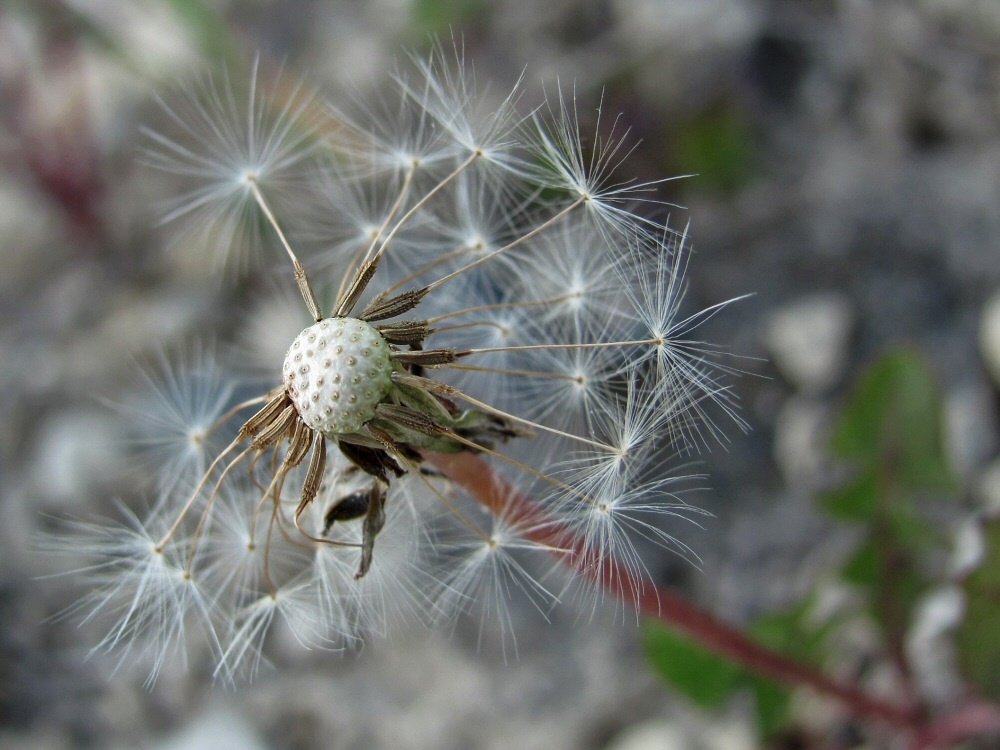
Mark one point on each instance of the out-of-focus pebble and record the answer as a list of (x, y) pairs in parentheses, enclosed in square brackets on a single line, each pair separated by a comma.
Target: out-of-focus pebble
[(809, 338), (220, 729), (76, 452), (989, 337), (799, 433), (651, 735), (970, 427)]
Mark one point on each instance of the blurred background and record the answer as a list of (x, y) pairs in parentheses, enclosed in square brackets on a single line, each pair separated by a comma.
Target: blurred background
[(845, 162)]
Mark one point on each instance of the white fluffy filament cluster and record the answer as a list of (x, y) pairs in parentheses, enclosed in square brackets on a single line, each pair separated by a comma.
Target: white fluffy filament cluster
[(538, 269)]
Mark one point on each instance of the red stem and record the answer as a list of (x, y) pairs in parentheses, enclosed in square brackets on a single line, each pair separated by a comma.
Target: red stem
[(477, 478)]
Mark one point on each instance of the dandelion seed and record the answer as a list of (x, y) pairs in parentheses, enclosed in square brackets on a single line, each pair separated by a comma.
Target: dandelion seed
[(590, 177), (484, 572), (447, 92), (499, 297), (224, 146), (154, 606), (618, 521), (175, 418), (653, 276)]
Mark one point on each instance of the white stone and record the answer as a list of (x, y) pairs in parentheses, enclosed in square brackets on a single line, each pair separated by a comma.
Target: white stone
[(76, 451), (970, 427), (651, 735), (809, 338), (989, 337), (219, 729), (986, 489), (800, 437), (929, 646), (968, 548)]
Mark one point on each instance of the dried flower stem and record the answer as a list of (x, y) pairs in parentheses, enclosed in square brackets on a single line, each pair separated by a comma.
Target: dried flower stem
[(300, 272)]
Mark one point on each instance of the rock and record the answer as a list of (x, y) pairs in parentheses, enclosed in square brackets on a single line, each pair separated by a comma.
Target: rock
[(76, 453), (800, 434), (689, 729), (987, 489), (651, 735), (219, 729), (928, 643), (809, 338), (970, 427), (989, 337)]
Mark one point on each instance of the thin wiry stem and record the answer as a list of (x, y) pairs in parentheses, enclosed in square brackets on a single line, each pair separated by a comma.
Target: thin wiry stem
[(233, 411), (461, 517), (528, 347), (456, 253), (476, 447), (365, 268), (194, 495), (319, 539), (504, 306), (208, 508), (275, 487), (300, 272), (450, 390), (506, 371), (472, 324), (510, 245), (400, 198), (422, 202)]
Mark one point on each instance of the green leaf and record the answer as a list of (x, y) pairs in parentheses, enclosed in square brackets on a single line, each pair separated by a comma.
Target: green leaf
[(772, 702), (862, 568), (856, 500), (891, 580), (892, 430), (207, 27), (436, 16), (894, 420), (708, 679), (718, 147), (788, 632), (977, 639), (704, 677), (911, 532)]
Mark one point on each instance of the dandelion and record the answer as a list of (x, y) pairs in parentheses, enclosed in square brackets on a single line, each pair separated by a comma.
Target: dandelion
[(497, 297)]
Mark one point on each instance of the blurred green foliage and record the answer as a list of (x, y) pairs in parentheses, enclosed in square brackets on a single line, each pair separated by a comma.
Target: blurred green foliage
[(893, 423), (710, 680), (717, 146), (889, 435), (704, 677), (442, 17), (977, 639), (208, 29)]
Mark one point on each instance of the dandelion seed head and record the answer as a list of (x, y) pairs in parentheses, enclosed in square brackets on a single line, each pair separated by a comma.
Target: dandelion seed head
[(494, 377)]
